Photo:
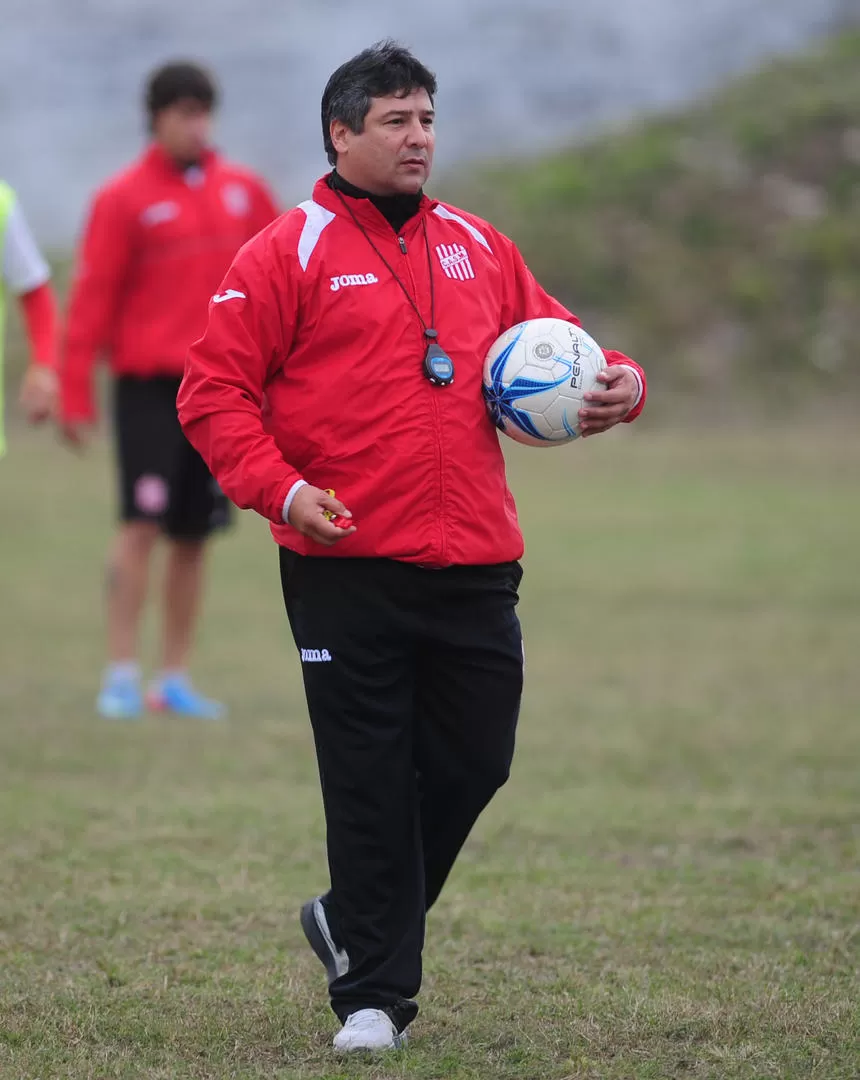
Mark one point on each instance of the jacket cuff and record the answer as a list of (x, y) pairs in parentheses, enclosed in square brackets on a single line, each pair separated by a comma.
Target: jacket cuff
[(288, 502)]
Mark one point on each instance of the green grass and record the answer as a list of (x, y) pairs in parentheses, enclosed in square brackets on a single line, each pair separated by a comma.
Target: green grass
[(667, 888)]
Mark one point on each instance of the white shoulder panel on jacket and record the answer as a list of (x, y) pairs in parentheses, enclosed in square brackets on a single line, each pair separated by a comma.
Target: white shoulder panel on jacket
[(316, 219), (449, 215)]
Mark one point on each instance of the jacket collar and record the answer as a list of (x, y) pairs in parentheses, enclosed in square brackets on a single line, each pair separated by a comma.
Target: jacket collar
[(158, 160), (365, 212)]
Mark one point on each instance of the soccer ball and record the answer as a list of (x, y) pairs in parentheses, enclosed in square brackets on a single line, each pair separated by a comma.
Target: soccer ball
[(535, 376)]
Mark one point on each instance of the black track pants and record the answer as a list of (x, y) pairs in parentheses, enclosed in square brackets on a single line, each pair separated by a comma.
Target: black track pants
[(413, 680)]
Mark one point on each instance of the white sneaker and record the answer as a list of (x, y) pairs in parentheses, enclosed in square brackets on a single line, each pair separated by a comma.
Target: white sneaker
[(369, 1029)]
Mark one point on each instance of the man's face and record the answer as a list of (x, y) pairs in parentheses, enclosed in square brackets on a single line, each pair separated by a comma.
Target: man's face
[(393, 154), (184, 129)]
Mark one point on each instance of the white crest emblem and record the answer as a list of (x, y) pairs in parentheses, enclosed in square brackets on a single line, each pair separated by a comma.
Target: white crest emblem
[(236, 199), (151, 494), (455, 261), (157, 213)]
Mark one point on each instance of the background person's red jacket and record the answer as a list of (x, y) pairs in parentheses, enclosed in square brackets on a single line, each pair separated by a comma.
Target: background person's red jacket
[(157, 242), (311, 368)]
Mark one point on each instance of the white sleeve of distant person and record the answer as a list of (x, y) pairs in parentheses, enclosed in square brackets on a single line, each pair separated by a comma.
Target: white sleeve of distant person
[(24, 267)]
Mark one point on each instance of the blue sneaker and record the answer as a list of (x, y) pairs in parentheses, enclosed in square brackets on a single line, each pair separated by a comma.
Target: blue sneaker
[(175, 694), (120, 698)]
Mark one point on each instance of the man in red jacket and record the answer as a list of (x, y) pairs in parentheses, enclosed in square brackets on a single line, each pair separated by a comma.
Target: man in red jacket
[(313, 375), (160, 237)]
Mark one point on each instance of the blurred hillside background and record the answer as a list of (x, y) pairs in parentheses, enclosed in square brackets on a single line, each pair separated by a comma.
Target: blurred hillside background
[(514, 77), (685, 176)]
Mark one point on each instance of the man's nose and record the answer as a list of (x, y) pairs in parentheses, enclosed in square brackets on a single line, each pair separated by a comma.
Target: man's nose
[(417, 134)]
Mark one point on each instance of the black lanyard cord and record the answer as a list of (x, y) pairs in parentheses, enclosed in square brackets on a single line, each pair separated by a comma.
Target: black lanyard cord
[(429, 331)]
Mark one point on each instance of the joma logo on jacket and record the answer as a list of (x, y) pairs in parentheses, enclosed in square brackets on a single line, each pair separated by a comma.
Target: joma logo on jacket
[(345, 280)]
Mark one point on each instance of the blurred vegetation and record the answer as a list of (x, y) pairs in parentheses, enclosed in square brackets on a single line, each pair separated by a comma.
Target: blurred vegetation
[(721, 245)]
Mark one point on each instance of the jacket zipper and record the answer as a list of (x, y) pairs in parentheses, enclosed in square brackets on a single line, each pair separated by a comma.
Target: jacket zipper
[(437, 423)]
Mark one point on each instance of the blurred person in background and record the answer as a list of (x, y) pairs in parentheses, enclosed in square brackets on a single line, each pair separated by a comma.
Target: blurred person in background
[(24, 272), (317, 372), (159, 237)]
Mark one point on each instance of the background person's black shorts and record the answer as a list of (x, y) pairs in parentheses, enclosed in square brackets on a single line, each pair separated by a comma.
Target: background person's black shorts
[(161, 476)]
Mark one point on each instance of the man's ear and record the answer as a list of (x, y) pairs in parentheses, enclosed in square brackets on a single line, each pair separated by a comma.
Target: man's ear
[(339, 133)]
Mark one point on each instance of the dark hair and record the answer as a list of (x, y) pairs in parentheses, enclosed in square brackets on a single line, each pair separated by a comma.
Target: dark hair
[(178, 81), (383, 70)]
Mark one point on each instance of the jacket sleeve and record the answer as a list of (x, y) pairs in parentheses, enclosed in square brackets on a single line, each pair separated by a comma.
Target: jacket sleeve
[(103, 260), (22, 265), (220, 401), (39, 309), (526, 299), (23, 268)]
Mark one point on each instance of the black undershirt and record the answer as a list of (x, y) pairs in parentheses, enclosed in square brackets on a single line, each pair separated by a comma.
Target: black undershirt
[(396, 209)]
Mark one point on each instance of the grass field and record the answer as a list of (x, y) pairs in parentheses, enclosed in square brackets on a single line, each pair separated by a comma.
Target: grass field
[(667, 888)]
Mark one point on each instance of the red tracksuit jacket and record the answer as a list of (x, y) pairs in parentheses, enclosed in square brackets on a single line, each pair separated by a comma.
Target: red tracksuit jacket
[(311, 368), (157, 242)]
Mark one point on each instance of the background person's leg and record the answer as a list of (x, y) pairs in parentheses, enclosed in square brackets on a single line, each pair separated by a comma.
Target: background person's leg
[(145, 437), (183, 594), (195, 510), (127, 584)]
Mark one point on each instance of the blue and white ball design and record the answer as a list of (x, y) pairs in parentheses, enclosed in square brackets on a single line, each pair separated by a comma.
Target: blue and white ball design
[(535, 376)]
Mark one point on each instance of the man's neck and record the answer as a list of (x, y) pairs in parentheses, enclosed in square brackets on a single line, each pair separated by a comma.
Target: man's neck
[(396, 209), (181, 164)]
